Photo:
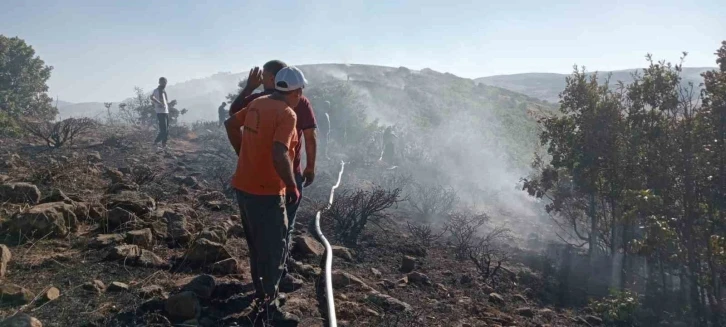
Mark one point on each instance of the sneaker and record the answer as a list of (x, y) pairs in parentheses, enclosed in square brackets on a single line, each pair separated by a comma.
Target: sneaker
[(289, 283)]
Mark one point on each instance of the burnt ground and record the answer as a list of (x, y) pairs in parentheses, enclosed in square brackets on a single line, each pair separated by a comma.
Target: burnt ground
[(452, 295)]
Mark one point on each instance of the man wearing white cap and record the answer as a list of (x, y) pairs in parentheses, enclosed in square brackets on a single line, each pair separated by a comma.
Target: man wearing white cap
[(265, 182)]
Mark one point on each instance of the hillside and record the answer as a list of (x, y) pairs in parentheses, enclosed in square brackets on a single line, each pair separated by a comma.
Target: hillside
[(547, 86)]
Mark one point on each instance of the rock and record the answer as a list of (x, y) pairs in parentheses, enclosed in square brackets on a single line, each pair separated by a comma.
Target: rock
[(342, 279), (183, 306), (202, 286), (142, 237), (290, 283), (176, 227), (5, 257), (342, 252), (4, 178), (442, 288), (520, 298), (216, 234), (218, 205), (496, 298), (151, 260), (190, 181), (525, 312), (104, 240), (387, 284), (227, 267), (50, 294), (12, 294), (118, 287), (418, 278), (94, 157), (212, 196), (128, 252), (119, 218), (21, 320), (307, 246), (125, 170), (408, 264), (119, 187), (205, 252), (56, 195), (306, 270), (548, 314), (19, 193), (593, 320), (133, 255), (151, 291), (95, 286), (115, 175), (376, 273), (466, 280), (402, 282), (135, 202), (387, 302), (54, 219)]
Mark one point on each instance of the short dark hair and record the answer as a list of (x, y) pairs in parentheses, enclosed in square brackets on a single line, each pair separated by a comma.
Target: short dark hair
[(273, 66), (162, 79)]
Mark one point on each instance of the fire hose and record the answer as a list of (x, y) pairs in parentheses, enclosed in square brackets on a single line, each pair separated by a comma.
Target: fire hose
[(332, 322)]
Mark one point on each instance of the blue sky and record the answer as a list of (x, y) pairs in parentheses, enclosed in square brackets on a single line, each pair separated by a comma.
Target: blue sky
[(102, 49)]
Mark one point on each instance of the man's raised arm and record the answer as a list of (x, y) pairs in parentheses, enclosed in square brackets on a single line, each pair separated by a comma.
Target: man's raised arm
[(253, 82)]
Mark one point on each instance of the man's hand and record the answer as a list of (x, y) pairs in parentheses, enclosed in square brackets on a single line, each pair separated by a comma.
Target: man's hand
[(254, 79), (308, 176), (292, 195)]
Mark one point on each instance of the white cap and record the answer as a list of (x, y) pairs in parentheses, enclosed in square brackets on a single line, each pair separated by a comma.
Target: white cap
[(289, 79)]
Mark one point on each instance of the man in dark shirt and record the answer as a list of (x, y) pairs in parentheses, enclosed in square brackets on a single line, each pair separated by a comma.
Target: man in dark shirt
[(306, 125)]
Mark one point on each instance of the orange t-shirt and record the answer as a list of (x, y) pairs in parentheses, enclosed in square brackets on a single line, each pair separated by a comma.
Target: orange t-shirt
[(265, 121)]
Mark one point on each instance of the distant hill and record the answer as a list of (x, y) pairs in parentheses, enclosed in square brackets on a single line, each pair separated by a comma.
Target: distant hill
[(547, 86)]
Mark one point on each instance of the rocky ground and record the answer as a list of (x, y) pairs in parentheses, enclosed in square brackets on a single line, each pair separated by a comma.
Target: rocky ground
[(113, 232)]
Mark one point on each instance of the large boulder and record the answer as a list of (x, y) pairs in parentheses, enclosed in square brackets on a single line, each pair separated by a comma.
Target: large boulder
[(342, 279), (54, 219), (408, 264), (21, 320), (12, 294), (133, 255), (176, 227), (119, 218), (56, 195), (342, 252), (205, 253), (306, 246), (183, 306), (136, 202), (387, 302), (104, 240), (5, 257), (202, 286), (142, 237), (19, 193)]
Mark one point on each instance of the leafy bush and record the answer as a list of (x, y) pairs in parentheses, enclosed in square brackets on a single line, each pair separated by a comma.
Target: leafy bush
[(618, 309)]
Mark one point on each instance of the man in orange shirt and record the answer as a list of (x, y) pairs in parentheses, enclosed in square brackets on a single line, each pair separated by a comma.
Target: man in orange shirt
[(265, 183)]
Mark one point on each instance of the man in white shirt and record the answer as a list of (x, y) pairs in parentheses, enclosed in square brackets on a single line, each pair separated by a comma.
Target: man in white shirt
[(159, 98)]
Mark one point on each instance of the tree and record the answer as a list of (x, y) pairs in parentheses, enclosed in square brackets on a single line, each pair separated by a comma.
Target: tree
[(23, 78)]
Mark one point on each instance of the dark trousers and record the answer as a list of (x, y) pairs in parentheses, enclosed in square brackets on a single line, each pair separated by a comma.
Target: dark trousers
[(292, 208), (264, 219), (163, 129)]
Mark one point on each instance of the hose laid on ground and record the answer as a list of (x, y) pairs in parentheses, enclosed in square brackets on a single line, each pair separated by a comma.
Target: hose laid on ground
[(332, 322)]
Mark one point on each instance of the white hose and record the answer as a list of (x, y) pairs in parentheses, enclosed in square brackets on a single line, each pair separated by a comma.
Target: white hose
[(332, 321)]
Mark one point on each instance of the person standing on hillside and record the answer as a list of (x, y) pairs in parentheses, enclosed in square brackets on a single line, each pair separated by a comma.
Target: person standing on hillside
[(222, 113), (161, 106), (265, 183), (306, 126)]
